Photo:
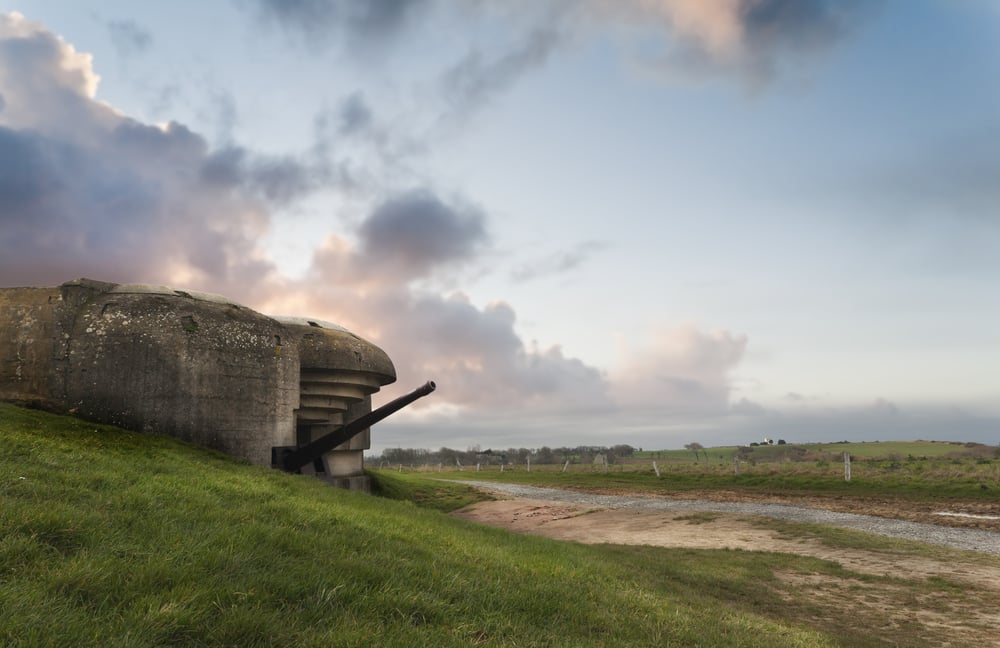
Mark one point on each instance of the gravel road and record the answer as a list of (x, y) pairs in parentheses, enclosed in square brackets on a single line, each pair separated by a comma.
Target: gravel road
[(968, 539)]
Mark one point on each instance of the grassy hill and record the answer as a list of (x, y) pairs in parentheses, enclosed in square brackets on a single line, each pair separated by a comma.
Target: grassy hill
[(109, 538)]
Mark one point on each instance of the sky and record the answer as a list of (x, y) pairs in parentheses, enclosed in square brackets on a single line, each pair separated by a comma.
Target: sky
[(590, 222)]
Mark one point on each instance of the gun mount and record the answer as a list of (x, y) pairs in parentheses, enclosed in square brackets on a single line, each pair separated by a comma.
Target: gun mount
[(293, 459)]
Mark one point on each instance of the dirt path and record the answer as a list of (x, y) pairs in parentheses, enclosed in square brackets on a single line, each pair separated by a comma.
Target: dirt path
[(966, 617), (594, 525), (955, 537)]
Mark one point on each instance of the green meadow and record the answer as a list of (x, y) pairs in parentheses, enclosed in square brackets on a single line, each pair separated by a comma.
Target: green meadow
[(911, 470), (110, 538)]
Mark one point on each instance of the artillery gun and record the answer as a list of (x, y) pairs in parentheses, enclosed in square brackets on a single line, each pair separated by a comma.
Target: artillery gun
[(293, 458)]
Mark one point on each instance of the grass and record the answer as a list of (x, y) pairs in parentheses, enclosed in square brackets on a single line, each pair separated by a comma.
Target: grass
[(431, 493), (109, 538), (863, 449), (698, 517), (939, 480)]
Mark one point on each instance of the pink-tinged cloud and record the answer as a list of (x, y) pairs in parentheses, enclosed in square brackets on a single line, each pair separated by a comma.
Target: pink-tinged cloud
[(753, 38), (682, 370)]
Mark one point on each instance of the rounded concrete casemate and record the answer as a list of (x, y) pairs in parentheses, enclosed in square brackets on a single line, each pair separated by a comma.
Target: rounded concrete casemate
[(190, 365)]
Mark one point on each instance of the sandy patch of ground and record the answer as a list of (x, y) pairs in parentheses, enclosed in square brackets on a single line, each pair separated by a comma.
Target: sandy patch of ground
[(969, 617), (705, 531)]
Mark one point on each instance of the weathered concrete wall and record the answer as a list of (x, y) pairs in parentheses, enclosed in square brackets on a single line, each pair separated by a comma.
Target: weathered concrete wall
[(208, 372), (27, 338), (190, 365)]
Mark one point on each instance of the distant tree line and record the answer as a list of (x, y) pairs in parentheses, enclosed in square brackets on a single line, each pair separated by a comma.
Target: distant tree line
[(472, 456)]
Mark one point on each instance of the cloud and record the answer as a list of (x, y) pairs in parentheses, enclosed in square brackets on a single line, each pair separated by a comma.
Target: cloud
[(482, 361), (414, 232), (88, 190), (354, 115), (476, 79), (47, 84), (474, 353), (223, 111), (753, 38), (320, 22), (745, 407), (682, 370), (374, 154), (129, 38), (878, 420), (277, 179), (882, 408), (557, 263)]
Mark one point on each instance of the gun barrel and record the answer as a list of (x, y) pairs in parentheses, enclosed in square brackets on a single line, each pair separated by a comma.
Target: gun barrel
[(299, 457)]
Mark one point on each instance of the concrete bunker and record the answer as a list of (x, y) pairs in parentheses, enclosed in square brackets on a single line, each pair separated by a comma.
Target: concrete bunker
[(192, 365)]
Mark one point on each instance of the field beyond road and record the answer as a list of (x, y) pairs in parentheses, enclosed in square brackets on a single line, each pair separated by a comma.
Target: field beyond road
[(942, 483)]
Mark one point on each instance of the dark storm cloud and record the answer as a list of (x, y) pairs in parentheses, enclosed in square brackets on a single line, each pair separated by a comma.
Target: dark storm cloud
[(416, 231), (129, 38)]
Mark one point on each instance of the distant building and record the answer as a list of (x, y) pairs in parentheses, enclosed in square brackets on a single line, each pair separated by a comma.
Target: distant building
[(191, 365)]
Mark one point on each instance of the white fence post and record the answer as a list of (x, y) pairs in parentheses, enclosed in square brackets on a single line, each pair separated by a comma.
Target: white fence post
[(736, 464), (565, 465), (847, 466), (529, 464), (655, 469)]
